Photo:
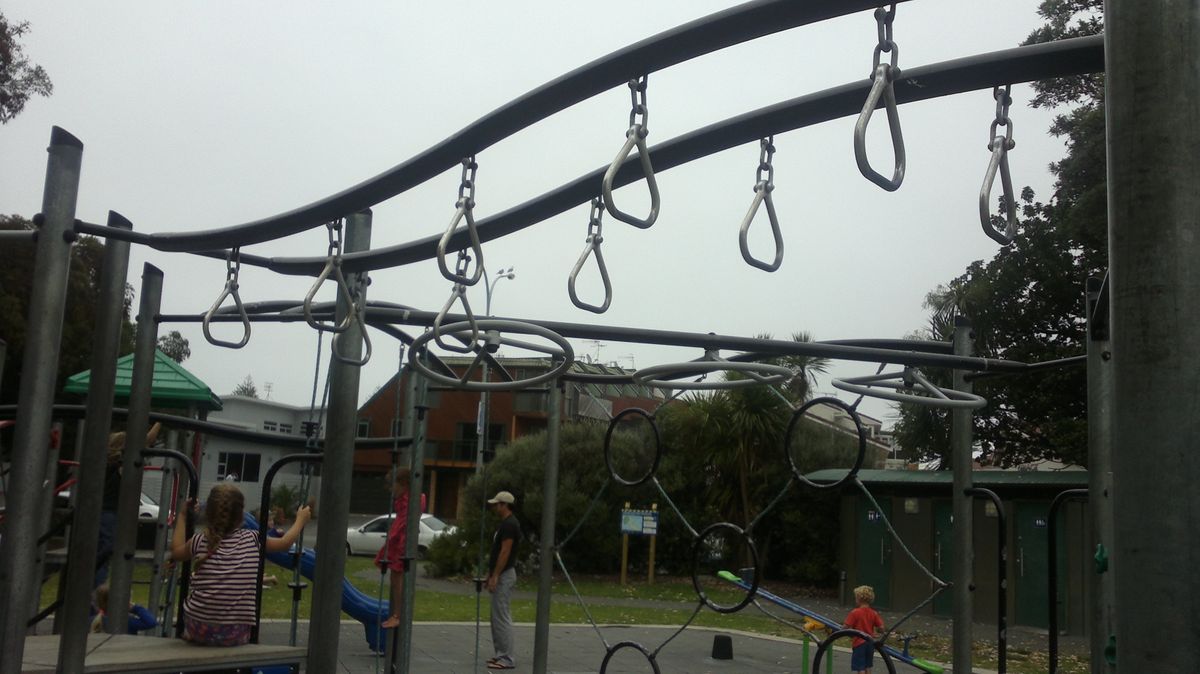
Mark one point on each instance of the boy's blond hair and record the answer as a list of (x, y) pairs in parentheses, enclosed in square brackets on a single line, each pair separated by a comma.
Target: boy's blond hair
[(864, 594)]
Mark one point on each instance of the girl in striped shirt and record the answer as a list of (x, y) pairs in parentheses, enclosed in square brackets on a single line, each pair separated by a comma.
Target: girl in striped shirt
[(219, 609)]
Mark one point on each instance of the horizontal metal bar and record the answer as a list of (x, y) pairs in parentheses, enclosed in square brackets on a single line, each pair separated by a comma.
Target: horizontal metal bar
[(1070, 361), (11, 236), (705, 35), (210, 428), (766, 347)]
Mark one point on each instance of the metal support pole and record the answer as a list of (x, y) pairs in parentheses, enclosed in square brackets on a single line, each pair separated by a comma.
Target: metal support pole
[(337, 469), (140, 392), (175, 440), (39, 368), (961, 446), (541, 634), (1152, 94), (46, 511), (1100, 501), (416, 464), (89, 489)]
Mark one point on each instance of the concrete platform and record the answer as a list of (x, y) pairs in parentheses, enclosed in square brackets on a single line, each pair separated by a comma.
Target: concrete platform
[(128, 653)]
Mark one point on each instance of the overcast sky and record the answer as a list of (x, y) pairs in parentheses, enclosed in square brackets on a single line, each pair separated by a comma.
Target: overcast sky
[(208, 114)]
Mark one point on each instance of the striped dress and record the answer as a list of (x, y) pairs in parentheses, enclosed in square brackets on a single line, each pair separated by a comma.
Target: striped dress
[(223, 587)]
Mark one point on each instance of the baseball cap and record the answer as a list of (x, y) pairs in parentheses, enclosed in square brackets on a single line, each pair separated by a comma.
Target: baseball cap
[(503, 497)]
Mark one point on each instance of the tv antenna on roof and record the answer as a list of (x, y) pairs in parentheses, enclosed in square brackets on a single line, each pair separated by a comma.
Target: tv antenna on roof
[(599, 345), (267, 386)]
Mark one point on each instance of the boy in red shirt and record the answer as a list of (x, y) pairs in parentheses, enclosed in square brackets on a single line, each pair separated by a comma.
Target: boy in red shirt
[(866, 620)]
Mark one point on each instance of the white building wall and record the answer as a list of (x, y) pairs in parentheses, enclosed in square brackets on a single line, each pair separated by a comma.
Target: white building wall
[(264, 416)]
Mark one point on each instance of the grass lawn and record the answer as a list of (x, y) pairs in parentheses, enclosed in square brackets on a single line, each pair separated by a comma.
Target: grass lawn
[(433, 606)]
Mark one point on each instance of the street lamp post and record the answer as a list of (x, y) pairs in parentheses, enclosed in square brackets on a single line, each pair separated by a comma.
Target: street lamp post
[(481, 424)]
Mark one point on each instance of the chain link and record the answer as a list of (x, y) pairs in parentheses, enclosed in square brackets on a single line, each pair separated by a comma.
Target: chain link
[(885, 43), (765, 155), (594, 223), (335, 238), (464, 261), (233, 266), (466, 186), (1003, 101), (639, 113)]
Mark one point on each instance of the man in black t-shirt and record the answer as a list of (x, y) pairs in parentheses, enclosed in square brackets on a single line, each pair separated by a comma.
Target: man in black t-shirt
[(502, 576)]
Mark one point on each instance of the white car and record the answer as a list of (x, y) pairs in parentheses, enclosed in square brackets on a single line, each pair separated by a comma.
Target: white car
[(368, 538), (147, 507)]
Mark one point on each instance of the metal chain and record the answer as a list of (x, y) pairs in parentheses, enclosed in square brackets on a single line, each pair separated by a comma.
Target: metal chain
[(466, 186), (595, 225), (886, 43), (766, 154), (1003, 101), (638, 109), (233, 266), (464, 260), (335, 239)]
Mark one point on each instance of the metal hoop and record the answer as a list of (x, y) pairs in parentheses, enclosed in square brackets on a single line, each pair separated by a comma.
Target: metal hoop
[(594, 240), (847, 632), (908, 380), (759, 373), (635, 646), (881, 87), (696, 550), (858, 426), (233, 266), (608, 462), (565, 352)]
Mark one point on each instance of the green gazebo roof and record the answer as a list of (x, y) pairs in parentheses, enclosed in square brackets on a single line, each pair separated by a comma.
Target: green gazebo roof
[(173, 385)]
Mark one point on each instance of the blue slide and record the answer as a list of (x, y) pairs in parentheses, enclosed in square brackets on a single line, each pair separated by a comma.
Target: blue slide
[(923, 665), (355, 603)]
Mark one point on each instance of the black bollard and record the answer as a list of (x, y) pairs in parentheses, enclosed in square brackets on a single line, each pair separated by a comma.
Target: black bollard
[(722, 647)]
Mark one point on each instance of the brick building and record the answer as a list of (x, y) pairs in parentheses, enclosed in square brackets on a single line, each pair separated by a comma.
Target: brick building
[(451, 438)]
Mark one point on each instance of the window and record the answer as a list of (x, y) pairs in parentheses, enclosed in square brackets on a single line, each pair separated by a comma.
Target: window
[(238, 466), (285, 428), (270, 426), (397, 428), (377, 526), (364, 428)]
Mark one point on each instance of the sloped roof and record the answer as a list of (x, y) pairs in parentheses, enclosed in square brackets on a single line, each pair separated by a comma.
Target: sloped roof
[(173, 386)]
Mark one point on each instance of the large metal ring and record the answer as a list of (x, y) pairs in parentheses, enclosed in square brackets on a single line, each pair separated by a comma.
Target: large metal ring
[(564, 352), (664, 376), (608, 462), (847, 632), (612, 650), (697, 549), (910, 380), (858, 426)]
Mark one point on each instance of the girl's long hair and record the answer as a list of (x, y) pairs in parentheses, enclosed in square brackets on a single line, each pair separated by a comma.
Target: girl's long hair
[(224, 514)]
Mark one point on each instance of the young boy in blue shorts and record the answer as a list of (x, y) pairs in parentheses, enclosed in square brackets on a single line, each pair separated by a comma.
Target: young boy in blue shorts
[(866, 620)]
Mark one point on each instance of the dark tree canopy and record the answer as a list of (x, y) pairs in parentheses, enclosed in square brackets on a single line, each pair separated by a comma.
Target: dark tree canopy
[(1026, 303), (175, 346), (246, 388), (80, 316), (18, 79)]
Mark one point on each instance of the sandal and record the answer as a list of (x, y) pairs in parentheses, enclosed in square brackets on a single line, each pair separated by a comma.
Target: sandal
[(391, 623), (496, 664)]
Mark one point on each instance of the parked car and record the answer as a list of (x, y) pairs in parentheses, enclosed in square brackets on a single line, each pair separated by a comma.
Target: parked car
[(147, 507), (368, 538)]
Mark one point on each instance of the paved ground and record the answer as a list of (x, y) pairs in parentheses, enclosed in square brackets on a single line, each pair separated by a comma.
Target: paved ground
[(450, 649)]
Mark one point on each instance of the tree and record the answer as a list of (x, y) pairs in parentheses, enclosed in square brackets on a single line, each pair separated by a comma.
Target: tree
[(175, 346), (80, 312), (18, 79), (1026, 303), (246, 388)]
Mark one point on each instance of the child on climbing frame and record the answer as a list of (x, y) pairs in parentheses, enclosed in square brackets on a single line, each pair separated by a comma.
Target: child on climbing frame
[(391, 556), (219, 609), (866, 620), (138, 617)]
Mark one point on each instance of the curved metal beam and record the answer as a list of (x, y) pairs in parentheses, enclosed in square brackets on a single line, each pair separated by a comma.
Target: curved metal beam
[(705, 35)]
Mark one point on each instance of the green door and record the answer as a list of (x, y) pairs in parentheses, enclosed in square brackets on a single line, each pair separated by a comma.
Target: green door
[(943, 554), (1031, 553), (875, 550)]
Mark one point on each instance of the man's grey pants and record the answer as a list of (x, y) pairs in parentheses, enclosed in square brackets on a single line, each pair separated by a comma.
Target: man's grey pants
[(502, 626)]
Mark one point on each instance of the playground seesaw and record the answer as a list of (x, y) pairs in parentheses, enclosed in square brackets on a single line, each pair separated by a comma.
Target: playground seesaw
[(901, 656)]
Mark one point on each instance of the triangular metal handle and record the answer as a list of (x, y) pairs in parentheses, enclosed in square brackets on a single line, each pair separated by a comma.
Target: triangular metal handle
[(762, 194), (635, 137), (881, 87)]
